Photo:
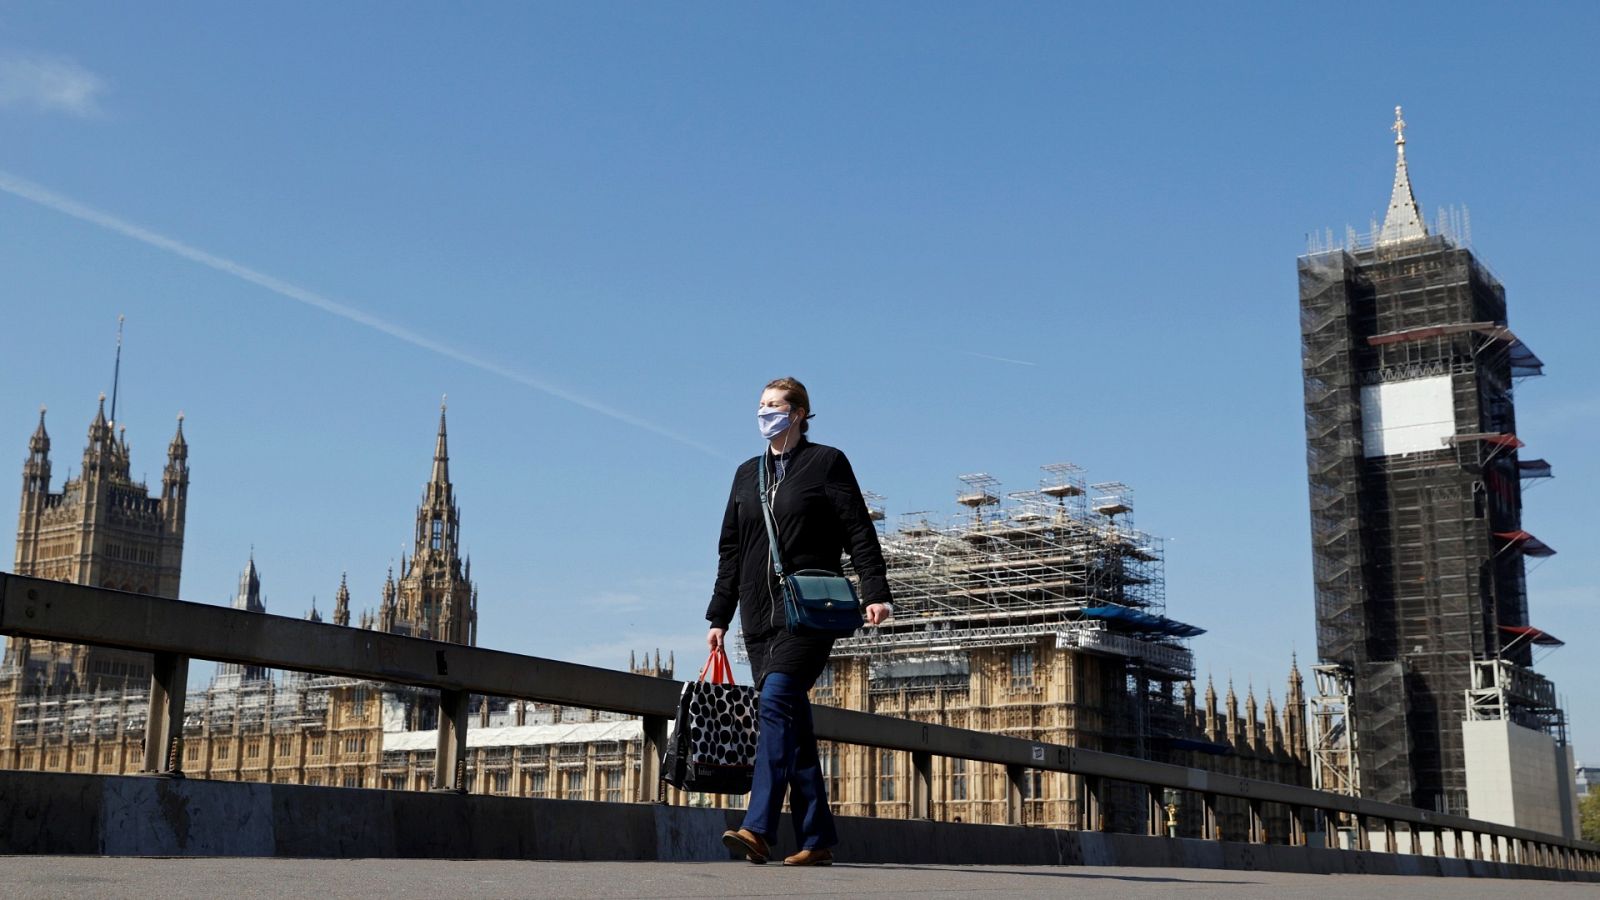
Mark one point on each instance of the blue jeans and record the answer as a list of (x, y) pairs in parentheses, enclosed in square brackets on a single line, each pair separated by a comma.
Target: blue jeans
[(786, 759)]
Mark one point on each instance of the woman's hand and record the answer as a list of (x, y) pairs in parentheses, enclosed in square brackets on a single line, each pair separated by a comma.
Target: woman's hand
[(714, 638), (878, 613)]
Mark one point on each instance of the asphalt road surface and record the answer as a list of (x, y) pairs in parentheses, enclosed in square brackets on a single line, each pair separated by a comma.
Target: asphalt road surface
[(24, 878)]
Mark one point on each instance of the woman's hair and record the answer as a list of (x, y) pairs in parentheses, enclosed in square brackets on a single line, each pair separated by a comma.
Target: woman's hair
[(795, 393)]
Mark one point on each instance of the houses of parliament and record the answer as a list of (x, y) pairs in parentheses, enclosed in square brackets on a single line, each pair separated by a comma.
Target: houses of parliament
[(66, 708)]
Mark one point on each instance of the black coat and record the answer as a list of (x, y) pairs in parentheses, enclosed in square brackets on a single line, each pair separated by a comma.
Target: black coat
[(820, 515)]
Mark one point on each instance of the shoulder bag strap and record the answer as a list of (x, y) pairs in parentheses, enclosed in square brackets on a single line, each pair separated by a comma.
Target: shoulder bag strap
[(766, 515)]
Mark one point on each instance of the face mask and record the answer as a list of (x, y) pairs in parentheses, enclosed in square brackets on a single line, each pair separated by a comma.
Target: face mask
[(772, 422)]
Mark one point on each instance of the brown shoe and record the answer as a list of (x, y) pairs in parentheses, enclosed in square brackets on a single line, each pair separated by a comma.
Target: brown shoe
[(810, 858), (752, 845)]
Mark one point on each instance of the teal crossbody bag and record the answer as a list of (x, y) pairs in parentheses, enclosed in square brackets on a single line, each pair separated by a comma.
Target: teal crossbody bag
[(816, 602)]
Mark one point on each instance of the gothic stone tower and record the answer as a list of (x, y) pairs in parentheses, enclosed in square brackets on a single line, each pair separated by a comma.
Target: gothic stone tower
[(232, 675), (1416, 502), (435, 597), (103, 529)]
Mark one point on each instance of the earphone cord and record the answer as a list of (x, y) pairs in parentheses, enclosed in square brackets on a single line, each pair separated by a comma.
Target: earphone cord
[(771, 515)]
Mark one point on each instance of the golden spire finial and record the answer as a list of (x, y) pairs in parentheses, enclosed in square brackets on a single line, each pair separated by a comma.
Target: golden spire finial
[(1399, 127)]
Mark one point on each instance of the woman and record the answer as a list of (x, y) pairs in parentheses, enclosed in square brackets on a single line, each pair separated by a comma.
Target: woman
[(819, 514)]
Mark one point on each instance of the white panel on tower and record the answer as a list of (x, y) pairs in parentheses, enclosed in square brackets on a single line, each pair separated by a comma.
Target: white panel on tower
[(1407, 416)]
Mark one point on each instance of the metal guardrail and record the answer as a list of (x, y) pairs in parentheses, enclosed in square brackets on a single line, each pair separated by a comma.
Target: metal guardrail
[(175, 631)]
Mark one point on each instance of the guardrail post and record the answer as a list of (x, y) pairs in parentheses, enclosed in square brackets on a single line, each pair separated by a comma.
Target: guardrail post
[(1390, 845), (1094, 808), (1014, 776), (1211, 825), (1330, 829), (1258, 823), (1362, 841), (1461, 843), (163, 727), (1297, 826), (450, 763), (1494, 848), (1416, 838), (921, 784), (651, 750), (1438, 841)]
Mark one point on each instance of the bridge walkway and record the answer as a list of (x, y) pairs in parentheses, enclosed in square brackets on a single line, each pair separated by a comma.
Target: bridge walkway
[(39, 877)]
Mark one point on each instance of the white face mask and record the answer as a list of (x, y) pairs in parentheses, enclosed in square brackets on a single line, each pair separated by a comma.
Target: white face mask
[(772, 421)]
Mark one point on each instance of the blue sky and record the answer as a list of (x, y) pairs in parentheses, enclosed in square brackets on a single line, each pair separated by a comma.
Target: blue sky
[(989, 237)]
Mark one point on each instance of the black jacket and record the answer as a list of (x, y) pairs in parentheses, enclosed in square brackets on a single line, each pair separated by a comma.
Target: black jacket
[(820, 515)]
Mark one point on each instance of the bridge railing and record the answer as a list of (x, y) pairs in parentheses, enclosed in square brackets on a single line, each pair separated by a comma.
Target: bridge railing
[(174, 631)]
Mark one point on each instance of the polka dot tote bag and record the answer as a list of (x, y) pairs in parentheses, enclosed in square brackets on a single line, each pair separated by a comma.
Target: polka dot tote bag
[(713, 746)]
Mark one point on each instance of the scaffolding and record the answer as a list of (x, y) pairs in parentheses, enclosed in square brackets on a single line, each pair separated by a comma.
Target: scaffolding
[(1334, 761), (1014, 567), (1060, 564), (1415, 490)]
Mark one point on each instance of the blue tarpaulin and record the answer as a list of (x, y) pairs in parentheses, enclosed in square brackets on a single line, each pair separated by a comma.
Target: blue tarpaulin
[(1143, 621)]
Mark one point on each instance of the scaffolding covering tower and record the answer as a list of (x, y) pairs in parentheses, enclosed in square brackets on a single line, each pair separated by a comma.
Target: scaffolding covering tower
[(1416, 505), (1061, 562)]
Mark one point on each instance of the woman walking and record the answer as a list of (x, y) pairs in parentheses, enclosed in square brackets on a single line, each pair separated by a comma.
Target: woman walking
[(817, 514)]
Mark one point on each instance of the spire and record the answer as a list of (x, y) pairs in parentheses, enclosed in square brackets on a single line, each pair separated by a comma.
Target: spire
[(1251, 729), (341, 601), (1211, 709), (1403, 221), (313, 615), (116, 371), (441, 452), (386, 610), (36, 471), (249, 596), (1294, 710), (1232, 713), (1273, 736), (179, 446), (40, 442)]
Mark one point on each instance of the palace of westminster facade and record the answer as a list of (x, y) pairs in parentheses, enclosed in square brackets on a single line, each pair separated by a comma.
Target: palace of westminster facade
[(66, 708)]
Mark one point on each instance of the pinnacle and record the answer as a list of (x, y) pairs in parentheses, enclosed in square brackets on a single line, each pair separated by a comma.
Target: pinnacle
[(441, 452), (1403, 221)]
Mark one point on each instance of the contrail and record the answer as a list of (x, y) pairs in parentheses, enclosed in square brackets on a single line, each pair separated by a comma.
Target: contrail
[(31, 192), (1004, 359)]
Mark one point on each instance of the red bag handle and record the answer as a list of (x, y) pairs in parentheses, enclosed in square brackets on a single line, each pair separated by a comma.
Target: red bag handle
[(717, 664)]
